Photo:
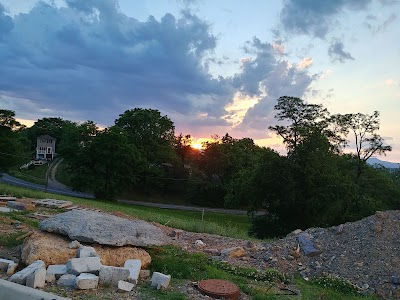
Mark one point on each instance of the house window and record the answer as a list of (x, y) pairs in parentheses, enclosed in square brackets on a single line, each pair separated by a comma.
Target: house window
[(48, 150)]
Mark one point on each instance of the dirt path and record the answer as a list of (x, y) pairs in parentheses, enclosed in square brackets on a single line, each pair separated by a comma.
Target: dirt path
[(52, 181)]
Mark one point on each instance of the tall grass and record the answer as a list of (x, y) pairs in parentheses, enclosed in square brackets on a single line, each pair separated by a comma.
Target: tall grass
[(235, 226)]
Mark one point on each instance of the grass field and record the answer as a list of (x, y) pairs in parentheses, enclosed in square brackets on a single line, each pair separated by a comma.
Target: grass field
[(35, 175), (222, 224)]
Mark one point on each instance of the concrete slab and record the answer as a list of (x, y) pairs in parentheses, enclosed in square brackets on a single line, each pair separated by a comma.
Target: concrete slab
[(111, 275), (134, 266), (10, 290), (83, 265), (20, 277), (87, 281)]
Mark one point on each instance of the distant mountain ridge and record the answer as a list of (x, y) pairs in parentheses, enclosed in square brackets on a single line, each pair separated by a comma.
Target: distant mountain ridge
[(373, 161)]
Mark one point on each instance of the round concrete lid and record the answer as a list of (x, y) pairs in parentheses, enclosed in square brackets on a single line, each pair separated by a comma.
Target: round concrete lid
[(217, 288)]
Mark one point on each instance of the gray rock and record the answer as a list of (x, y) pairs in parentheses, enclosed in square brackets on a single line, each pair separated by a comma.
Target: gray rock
[(395, 280), (86, 281), (67, 280), (83, 265), (307, 246), (4, 264), (37, 278), (85, 251), (74, 245), (111, 275), (160, 280), (20, 277), (95, 227)]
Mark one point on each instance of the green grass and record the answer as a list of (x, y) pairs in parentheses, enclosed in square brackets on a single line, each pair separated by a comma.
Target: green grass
[(216, 223), (35, 175), (9, 240), (63, 175)]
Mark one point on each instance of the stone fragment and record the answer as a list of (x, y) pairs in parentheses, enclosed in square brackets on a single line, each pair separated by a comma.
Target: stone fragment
[(20, 277), (54, 250), (11, 269), (67, 280), (57, 270), (144, 274), (111, 275), (7, 198), (83, 265), (20, 205), (134, 266), (234, 252), (74, 245), (4, 264), (199, 243), (296, 232), (160, 280), (125, 286), (176, 233), (85, 251), (307, 246), (86, 281), (50, 278), (105, 229), (37, 278), (214, 252)]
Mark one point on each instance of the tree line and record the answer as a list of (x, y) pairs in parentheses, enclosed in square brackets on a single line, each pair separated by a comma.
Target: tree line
[(315, 184)]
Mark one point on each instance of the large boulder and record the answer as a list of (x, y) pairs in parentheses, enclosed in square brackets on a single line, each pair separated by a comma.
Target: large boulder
[(105, 229), (54, 250)]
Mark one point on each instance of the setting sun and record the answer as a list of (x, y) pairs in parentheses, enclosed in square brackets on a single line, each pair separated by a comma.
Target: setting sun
[(197, 146)]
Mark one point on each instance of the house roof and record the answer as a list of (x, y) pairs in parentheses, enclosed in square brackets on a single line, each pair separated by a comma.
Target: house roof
[(46, 136)]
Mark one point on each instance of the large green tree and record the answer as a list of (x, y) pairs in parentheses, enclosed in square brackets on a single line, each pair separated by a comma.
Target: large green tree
[(11, 149), (150, 132), (107, 165)]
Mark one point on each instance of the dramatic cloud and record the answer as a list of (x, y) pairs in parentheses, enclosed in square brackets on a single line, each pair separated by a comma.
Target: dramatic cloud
[(336, 52), (89, 56), (276, 78), (316, 18)]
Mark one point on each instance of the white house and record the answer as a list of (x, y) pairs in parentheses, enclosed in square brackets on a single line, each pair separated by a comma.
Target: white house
[(45, 147)]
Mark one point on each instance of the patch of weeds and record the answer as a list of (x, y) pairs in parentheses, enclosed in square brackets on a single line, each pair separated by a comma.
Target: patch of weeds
[(22, 217), (9, 240), (336, 284), (169, 294), (270, 275)]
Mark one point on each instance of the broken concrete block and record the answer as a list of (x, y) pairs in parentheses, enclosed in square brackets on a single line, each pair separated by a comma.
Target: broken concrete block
[(134, 266), (85, 251), (83, 265), (307, 245), (144, 274), (37, 278), (4, 263), (7, 198), (111, 275), (74, 245), (87, 281), (11, 269), (57, 270), (67, 280), (125, 286), (234, 252), (20, 277), (160, 280)]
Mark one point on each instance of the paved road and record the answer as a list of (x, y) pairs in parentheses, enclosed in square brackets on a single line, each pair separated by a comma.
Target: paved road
[(65, 191), (57, 190)]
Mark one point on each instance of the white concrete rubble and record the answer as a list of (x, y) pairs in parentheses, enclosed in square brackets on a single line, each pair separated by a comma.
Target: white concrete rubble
[(67, 280), (37, 278), (125, 286), (160, 280), (57, 270), (10, 290), (5, 263), (50, 278), (85, 251), (11, 269), (87, 281), (134, 266), (20, 277), (111, 275), (83, 265)]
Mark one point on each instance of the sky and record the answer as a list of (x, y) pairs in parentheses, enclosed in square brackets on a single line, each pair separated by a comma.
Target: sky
[(213, 67)]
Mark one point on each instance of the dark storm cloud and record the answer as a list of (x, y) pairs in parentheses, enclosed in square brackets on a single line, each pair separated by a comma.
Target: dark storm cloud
[(90, 56), (316, 18), (337, 53)]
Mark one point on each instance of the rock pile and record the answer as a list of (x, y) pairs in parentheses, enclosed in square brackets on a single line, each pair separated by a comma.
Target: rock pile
[(365, 252)]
